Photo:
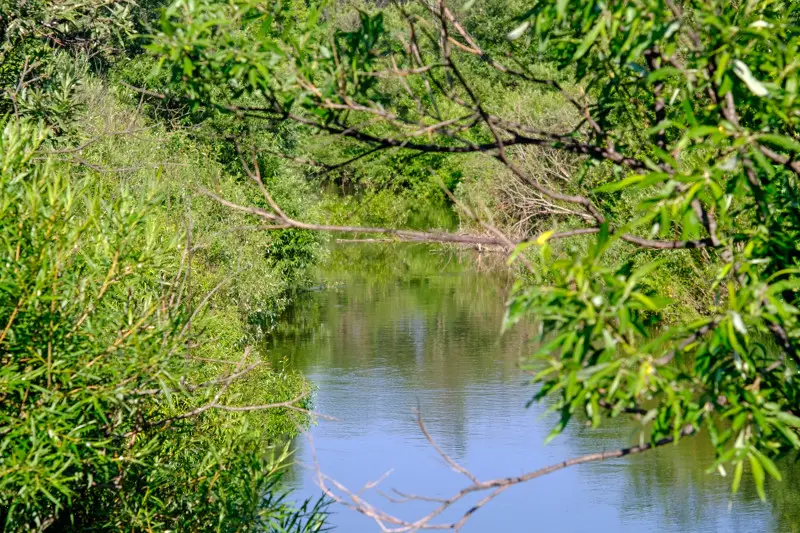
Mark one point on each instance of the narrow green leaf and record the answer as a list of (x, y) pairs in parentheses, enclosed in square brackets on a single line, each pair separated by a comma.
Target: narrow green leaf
[(788, 418), (617, 185), (662, 73), (733, 340), (781, 141), (768, 465), (789, 434), (561, 8), (648, 302), (737, 477), (702, 131), (519, 250), (758, 476), (722, 65), (589, 40)]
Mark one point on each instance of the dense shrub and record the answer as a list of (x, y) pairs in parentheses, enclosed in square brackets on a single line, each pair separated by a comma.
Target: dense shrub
[(108, 420)]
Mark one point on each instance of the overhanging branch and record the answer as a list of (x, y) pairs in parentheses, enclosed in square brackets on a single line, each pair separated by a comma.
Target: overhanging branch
[(391, 523)]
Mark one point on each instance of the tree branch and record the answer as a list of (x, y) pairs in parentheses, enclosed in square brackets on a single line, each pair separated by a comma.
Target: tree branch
[(390, 523), (285, 222), (775, 157)]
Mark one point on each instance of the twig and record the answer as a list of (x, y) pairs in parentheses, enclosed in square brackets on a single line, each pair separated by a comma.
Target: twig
[(390, 523)]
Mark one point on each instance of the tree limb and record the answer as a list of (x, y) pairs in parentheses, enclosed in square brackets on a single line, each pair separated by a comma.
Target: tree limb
[(391, 523)]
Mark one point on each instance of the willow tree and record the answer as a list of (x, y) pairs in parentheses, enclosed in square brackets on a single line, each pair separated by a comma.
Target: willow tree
[(684, 128)]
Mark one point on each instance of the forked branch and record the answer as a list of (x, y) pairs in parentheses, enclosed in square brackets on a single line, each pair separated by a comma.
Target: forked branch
[(491, 488)]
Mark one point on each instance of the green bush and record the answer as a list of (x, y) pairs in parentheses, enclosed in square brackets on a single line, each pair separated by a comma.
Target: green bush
[(102, 426)]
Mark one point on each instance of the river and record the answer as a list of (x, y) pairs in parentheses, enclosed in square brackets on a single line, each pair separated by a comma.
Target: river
[(393, 328)]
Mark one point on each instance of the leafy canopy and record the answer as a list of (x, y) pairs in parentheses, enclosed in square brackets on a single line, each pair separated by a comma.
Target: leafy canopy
[(685, 123)]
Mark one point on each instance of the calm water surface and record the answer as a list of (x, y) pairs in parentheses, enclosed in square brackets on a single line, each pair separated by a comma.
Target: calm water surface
[(393, 328)]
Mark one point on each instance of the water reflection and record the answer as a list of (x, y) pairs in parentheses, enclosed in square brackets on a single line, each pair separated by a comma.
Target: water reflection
[(398, 327)]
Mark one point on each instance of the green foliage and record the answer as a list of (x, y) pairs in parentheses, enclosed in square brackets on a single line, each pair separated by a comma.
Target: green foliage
[(97, 415), (93, 27), (228, 251), (47, 50), (683, 130), (706, 144), (69, 327), (127, 299), (292, 250)]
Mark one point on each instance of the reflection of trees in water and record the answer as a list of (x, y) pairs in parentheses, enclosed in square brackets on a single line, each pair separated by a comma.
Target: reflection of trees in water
[(673, 486), (784, 496), (428, 320), (409, 318), (431, 323)]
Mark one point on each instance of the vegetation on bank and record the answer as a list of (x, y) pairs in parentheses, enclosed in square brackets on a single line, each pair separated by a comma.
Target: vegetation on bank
[(135, 396), (170, 168)]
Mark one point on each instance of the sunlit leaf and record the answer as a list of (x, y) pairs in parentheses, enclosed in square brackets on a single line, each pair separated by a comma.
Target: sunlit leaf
[(737, 476), (589, 39), (519, 31), (743, 71)]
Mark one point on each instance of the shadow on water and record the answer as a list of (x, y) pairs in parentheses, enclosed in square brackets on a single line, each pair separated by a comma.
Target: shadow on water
[(396, 327)]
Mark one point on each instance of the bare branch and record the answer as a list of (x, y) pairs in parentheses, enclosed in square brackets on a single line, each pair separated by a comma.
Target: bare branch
[(775, 157), (456, 466), (391, 523), (286, 222)]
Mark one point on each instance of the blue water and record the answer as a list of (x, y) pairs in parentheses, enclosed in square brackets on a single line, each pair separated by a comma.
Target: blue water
[(379, 346)]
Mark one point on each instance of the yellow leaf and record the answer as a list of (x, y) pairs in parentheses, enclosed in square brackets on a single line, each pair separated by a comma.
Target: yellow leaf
[(542, 239)]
